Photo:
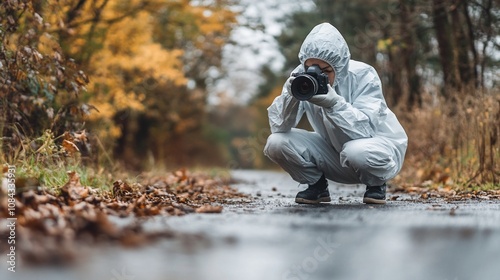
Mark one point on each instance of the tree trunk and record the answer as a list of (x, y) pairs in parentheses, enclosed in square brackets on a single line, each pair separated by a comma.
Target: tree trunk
[(445, 45), (409, 52), (471, 39), (489, 33), (464, 65), (395, 80)]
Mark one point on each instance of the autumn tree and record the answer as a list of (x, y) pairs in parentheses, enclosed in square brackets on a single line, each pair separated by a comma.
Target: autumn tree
[(147, 63), (201, 32)]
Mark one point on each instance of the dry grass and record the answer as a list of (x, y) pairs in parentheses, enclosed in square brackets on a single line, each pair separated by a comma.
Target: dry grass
[(454, 143)]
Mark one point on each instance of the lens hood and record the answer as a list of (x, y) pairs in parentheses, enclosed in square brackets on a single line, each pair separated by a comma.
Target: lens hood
[(304, 87)]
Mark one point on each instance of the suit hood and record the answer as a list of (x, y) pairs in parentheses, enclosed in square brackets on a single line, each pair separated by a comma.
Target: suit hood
[(326, 43)]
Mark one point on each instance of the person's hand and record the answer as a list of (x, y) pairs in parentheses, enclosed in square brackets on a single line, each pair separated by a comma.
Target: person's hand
[(288, 85), (326, 100)]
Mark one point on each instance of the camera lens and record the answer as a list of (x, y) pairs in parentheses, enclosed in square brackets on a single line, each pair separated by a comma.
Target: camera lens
[(304, 87)]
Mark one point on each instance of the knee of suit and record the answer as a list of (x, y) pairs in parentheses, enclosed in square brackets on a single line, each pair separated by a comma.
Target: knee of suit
[(365, 157), (275, 145), (374, 167)]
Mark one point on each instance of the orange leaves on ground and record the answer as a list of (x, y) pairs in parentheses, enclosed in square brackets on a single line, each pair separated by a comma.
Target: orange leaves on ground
[(431, 192), (73, 190), (209, 209)]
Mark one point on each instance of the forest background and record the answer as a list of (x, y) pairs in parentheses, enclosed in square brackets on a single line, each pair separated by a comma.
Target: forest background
[(105, 86)]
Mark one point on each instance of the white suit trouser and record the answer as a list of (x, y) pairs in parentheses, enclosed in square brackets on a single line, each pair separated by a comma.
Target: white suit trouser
[(306, 156)]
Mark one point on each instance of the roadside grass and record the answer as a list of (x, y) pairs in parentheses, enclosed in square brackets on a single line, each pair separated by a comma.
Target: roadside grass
[(56, 174), (454, 144), (53, 171), (41, 162)]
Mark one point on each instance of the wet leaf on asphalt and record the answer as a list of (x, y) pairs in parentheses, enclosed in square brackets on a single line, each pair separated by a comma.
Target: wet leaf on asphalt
[(209, 209)]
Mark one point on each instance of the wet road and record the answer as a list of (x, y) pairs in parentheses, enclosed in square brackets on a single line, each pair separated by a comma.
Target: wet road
[(274, 238)]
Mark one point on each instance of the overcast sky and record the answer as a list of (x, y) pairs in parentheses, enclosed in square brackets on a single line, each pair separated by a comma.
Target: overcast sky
[(254, 47)]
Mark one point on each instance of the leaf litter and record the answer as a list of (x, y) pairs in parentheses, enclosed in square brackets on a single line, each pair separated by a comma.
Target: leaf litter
[(54, 225), (430, 193)]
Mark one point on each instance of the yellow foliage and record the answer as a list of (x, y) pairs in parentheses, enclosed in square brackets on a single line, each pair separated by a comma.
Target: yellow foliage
[(213, 20), (128, 57), (129, 49), (47, 44)]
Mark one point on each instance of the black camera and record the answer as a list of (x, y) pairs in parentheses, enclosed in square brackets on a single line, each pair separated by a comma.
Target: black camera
[(309, 83)]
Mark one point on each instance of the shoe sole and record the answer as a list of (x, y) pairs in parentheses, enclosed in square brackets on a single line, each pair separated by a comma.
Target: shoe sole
[(317, 201), (368, 200)]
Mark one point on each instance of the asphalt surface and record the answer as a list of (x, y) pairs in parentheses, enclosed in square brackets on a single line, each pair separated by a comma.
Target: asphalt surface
[(274, 238)]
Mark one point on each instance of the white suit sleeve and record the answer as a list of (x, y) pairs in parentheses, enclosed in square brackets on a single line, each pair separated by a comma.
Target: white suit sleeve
[(285, 112)]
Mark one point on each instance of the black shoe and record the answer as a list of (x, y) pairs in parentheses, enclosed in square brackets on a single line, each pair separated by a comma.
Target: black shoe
[(375, 194), (314, 194)]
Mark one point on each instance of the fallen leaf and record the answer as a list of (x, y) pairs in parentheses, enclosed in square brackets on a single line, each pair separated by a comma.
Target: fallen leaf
[(73, 189), (209, 209)]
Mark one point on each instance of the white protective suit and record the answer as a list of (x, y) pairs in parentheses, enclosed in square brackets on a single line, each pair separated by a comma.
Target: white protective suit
[(357, 140)]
